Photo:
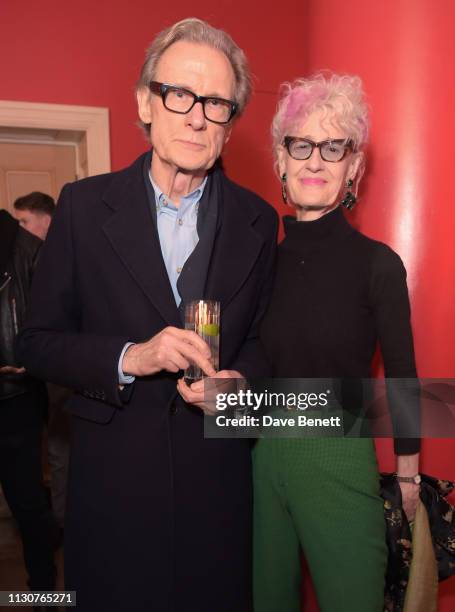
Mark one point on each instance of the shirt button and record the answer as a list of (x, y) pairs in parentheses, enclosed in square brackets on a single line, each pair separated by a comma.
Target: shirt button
[(180, 222), (179, 270)]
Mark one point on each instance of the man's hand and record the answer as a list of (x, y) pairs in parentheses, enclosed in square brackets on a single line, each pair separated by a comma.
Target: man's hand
[(172, 349), (203, 392), (11, 370)]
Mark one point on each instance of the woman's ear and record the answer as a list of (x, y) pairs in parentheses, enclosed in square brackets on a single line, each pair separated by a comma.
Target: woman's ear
[(356, 169), (281, 155), (356, 166)]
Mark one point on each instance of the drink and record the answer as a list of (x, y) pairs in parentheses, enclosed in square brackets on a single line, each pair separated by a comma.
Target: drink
[(203, 317)]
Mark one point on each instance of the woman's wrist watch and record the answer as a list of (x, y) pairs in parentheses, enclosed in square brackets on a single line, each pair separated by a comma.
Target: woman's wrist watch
[(411, 479)]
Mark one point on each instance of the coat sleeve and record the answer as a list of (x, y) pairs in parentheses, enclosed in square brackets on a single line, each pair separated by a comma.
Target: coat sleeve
[(51, 345), (251, 360)]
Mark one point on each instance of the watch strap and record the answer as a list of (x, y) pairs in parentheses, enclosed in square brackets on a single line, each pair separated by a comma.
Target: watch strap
[(416, 479)]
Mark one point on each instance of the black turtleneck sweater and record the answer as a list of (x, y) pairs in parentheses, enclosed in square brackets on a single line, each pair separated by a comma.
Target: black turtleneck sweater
[(337, 294)]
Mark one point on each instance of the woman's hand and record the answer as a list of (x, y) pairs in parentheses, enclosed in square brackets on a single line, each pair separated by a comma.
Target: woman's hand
[(408, 465), (410, 498)]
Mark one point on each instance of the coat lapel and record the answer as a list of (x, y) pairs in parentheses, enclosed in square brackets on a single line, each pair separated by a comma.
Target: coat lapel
[(134, 238), (237, 245)]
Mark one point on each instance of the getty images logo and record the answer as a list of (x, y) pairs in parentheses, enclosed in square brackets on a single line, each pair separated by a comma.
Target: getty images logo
[(254, 401)]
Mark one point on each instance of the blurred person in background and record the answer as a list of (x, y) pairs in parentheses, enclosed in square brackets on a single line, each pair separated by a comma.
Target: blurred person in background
[(22, 410), (34, 212)]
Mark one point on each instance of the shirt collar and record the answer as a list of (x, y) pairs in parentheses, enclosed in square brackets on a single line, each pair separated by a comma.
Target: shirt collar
[(186, 201)]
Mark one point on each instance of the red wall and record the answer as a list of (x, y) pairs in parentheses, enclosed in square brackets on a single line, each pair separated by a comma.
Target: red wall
[(404, 50), (89, 53)]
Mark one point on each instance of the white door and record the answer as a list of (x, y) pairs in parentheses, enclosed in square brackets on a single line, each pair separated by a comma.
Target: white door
[(28, 167)]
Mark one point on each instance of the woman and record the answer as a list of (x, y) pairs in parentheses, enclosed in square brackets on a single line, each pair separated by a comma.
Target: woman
[(339, 293)]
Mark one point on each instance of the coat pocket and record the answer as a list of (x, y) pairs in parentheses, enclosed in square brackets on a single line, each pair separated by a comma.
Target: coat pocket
[(90, 409)]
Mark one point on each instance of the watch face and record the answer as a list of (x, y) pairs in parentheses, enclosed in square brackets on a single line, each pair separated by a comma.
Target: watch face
[(417, 479)]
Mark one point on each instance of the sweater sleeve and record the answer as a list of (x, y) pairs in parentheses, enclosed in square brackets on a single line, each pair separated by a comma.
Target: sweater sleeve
[(389, 294)]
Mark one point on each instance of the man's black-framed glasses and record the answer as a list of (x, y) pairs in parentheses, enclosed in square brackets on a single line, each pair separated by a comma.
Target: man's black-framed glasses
[(330, 150), (180, 100)]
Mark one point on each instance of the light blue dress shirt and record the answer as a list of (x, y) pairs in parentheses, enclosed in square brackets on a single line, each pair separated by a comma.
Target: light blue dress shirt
[(177, 231)]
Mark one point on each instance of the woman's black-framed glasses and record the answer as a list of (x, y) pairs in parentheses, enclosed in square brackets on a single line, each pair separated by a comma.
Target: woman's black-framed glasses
[(180, 100), (330, 150)]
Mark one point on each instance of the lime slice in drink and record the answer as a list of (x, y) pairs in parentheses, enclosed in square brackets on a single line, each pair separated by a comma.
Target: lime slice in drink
[(209, 329)]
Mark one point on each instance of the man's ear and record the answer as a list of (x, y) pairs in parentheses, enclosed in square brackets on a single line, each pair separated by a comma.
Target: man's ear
[(143, 105), (227, 133)]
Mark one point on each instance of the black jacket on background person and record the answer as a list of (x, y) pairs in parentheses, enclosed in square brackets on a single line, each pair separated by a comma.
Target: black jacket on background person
[(18, 255), (22, 411)]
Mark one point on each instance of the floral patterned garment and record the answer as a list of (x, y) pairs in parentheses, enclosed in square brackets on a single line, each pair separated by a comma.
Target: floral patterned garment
[(441, 515)]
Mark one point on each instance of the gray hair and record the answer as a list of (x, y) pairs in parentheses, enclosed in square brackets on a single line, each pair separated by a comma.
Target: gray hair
[(198, 31)]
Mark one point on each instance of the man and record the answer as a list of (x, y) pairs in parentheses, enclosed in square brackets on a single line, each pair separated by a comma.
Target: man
[(158, 518), (22, 408), (34, 213)]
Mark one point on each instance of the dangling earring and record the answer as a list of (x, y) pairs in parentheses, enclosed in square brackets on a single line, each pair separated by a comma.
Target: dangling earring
[(283, 188), (349, 199)]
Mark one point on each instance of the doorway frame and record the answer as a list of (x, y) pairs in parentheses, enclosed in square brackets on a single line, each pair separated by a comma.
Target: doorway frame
[(92, 120)]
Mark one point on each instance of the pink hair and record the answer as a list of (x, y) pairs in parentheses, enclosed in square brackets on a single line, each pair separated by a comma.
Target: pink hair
[(340, 96)]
